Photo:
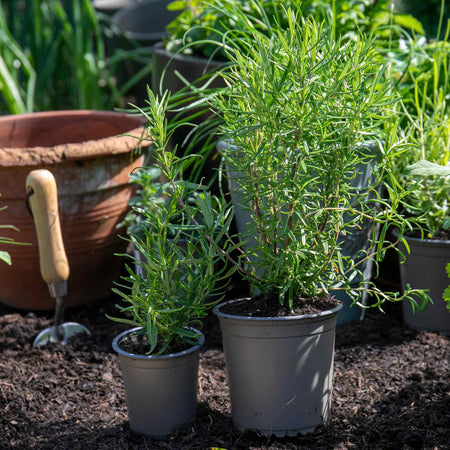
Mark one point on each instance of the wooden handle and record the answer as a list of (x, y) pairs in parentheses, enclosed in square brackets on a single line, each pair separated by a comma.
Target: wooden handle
[(43, 201)]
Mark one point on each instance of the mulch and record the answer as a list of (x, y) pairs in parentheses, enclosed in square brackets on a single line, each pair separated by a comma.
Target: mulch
[(391, 389)]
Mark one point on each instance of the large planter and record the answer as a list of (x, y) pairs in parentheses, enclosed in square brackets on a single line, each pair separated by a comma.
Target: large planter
[(161, 391), (424, 268), (91, 164), (142, 23), (280, 370)]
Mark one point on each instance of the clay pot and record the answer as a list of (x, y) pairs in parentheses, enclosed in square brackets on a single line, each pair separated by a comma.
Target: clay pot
[(91, 164)]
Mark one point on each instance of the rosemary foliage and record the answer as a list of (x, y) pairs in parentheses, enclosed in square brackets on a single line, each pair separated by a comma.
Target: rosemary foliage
[(181, 245), (298, 108)]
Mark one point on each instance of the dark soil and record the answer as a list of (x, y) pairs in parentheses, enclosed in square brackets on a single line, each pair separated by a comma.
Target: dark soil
[(137, 343), (269, 306), (391, 389)]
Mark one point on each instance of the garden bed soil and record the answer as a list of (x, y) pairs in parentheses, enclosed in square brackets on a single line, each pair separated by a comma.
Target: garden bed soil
[(391, 389)]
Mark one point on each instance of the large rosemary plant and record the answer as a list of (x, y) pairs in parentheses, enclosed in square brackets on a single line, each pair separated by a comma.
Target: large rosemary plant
[(298, 108)]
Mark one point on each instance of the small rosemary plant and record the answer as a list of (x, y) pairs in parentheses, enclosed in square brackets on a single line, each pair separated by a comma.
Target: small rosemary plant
[(181, 247)]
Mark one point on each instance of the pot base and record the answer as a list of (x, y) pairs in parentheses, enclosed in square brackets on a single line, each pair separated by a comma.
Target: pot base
[(278, 433)]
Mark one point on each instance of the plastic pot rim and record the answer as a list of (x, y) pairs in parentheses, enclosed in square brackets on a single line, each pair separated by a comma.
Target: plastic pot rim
[(416, 240), (118, 338), (219, 313)]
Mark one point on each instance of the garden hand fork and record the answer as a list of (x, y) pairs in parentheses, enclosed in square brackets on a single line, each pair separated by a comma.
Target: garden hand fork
[(42, 197)]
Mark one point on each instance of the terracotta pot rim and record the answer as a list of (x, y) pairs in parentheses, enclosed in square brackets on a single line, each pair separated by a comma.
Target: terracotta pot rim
[(288, 319), (70, 112), (118, 338), (39, 155)]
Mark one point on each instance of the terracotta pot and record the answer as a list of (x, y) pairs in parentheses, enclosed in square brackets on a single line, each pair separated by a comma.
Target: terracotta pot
[(91, 164)]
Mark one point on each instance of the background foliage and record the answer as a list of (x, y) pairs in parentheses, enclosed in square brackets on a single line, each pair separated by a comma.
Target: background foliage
[(53, 56)]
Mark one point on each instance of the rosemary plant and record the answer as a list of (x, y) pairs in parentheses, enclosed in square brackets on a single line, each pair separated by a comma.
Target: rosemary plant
[(180, 249), (298, 107)]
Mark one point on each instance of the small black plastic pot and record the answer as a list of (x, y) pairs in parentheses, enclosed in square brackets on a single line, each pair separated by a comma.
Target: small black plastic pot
[(142, 23)]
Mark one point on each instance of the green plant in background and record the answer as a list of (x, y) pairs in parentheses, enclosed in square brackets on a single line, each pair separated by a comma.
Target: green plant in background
[(4, 255), (52, 56), (427, 169), (423, 126), (427, 11), (200, 25), (180, 248), (446, 294), (351, 17), (297, 132)]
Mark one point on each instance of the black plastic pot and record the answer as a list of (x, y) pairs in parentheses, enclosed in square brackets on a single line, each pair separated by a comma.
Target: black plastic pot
[(166, 64), (165, 67), (110, 7)]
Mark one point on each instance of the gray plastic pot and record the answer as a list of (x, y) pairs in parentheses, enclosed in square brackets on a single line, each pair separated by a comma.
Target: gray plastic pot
[(161, 391), (424, 268), (280, 370)]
